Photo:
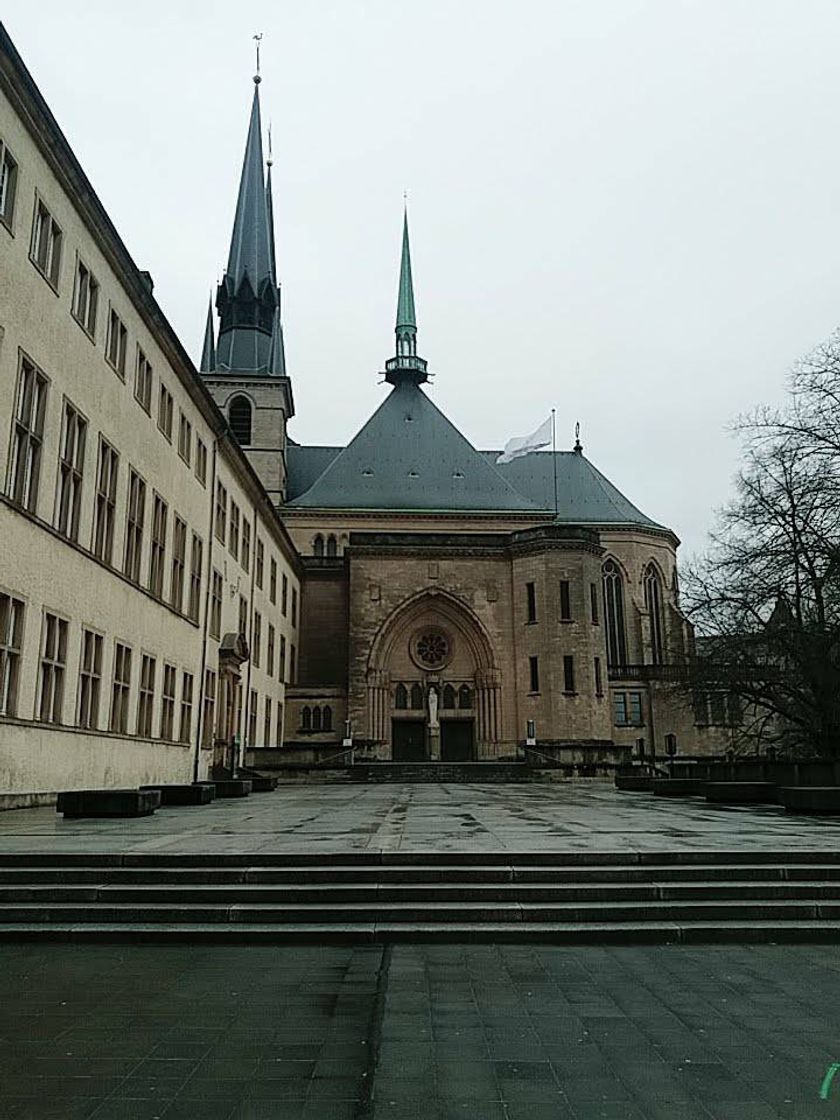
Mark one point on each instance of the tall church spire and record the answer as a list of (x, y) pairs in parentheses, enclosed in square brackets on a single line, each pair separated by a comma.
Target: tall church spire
[(208, 350), (247, 297), (405, 365)]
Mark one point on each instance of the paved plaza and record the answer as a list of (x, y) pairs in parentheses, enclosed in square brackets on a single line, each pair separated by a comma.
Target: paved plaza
[(408, 1032), (344, 817)]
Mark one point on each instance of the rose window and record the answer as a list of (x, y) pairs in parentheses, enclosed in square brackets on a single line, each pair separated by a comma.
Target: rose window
[(431, 649)]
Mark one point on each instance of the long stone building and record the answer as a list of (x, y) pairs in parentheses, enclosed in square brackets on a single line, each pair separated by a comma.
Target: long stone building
[(180, 581)]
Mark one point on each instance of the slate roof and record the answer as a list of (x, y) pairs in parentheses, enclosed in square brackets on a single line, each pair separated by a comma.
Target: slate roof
[(408, 456)]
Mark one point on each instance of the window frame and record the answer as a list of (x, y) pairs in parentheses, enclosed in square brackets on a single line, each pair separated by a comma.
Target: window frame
[(8, 186), (70, 473), (12, 624), (23, 477), (89, 694), (50, 267), (85, 316), (116, 362)]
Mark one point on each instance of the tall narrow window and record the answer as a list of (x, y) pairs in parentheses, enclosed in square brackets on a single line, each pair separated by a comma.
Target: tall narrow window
[(53, 664), (90, 680), (246, 544), (239, 416), (252, 717), (134, 535), (653, 602), (185, 439), (70, 470), (233, 539), (179, 563), (620, 710), (614, 615), (599, 683), (635, 702), (146, 699), (117, 343), (269, 656), (294, 606), (256, 640), (45, 250), (221, 512), (327, 722), (565, 601), (267, 723), (593, 603), (306, 718), (85, 298), (282, 664), (332, 545), (400, 697), (166, 410), (416, 697), (316, 719), (196, 555), (167, 702), (216, 605), (279, 724), (534, 672), (243, 616), (201, 460), (447, 696), (143, 381), (11, 634), (259, 570), (284, 594), (465, 697), (208, 714), (531, 601), (27, 436), (158, 553), (107, 470), (272, 581), (318, 545), (185, 725), (568, 673), (292, 665), (8, 185), (121, 689)]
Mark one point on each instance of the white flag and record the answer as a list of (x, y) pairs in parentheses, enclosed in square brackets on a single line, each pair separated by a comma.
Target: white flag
[(524, 445)]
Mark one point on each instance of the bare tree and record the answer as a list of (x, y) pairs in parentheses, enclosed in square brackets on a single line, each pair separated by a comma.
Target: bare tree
[(765, 601)]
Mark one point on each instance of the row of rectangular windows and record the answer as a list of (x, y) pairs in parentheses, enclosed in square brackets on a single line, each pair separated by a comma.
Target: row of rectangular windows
[(568, 675), (565, 595), (254, 638), (45, 252), (175, 715)]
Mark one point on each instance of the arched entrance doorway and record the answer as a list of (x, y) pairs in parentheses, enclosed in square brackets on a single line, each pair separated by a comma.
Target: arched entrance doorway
[(433, 690)]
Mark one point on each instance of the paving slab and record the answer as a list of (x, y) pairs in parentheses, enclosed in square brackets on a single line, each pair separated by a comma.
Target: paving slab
[(347, 818)]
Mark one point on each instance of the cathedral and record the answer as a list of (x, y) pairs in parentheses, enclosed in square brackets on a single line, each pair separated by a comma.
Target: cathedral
[(453, 607), (184, 587)]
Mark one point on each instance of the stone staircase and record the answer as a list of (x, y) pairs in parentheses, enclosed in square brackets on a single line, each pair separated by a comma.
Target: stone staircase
[(506, 772), (553, 898)]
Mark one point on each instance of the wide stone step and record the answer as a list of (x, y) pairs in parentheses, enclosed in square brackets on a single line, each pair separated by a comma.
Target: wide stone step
[(380, 894), (345, 913)]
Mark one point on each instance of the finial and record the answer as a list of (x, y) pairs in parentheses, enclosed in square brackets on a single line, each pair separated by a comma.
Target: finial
[(578, 445), (257, 39)]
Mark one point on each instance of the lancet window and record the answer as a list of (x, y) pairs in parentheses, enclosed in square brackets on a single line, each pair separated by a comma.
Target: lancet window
[(614, 614)]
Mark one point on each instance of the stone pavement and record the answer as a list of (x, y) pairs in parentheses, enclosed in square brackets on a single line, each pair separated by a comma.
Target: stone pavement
[(415, 817), (434, 1032)]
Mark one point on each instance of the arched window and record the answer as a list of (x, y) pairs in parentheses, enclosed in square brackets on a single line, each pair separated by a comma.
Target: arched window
[(306, 719), (239, 417), (653, 602), (332, 546), (400, 697), (465, 696), (318, 546), (614, 615), (316, 719), (416, 696), (448, 699), (327, 721)]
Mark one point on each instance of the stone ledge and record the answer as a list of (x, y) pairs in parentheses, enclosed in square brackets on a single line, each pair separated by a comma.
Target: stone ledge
[(810, 799)]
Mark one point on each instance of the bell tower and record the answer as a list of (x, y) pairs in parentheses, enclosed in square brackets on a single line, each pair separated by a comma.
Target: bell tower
[(244, 363)]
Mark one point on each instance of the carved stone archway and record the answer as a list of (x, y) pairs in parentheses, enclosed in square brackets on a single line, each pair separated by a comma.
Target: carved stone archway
[(433, 630)]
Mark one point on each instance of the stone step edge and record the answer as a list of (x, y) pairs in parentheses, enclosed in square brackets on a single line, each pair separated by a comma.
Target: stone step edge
[(687, 933)]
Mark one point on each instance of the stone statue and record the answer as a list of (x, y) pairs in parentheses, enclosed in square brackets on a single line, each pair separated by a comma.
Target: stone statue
[(433, 709)]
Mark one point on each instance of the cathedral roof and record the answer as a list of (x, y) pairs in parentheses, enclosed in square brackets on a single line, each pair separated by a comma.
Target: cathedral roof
[(585, 496), (408, 456)]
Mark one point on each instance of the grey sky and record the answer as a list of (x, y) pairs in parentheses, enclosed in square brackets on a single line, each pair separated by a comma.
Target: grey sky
[(627, 210)]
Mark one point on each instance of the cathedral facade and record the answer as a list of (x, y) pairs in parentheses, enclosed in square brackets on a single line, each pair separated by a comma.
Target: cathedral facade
[(181, 582)]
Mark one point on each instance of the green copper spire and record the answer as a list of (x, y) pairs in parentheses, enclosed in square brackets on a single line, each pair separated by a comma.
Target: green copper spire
[(405, 365), (406, 317)]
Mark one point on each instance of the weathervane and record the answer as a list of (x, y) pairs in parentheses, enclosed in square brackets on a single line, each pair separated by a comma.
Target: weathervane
[(578, 444), (257, 39)]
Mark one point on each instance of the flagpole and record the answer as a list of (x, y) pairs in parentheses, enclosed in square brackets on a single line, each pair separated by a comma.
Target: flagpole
[(554, 459)]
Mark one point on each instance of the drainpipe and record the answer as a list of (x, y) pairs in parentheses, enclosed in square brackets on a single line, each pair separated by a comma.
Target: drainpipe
[(204, 628)]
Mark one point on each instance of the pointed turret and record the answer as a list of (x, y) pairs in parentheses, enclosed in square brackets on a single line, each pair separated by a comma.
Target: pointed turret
[(247, 296), (208, 350), (405, 365)]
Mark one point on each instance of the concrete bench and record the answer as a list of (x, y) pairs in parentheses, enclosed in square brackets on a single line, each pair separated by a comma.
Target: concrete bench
[(184, 794), (639, 783), (742, 793), (108, 802), (679, 787), (810, 799), (230, 787), (260, 783)]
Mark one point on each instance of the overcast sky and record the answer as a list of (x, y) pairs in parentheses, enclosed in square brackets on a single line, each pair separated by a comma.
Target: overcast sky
[(626, 210)]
